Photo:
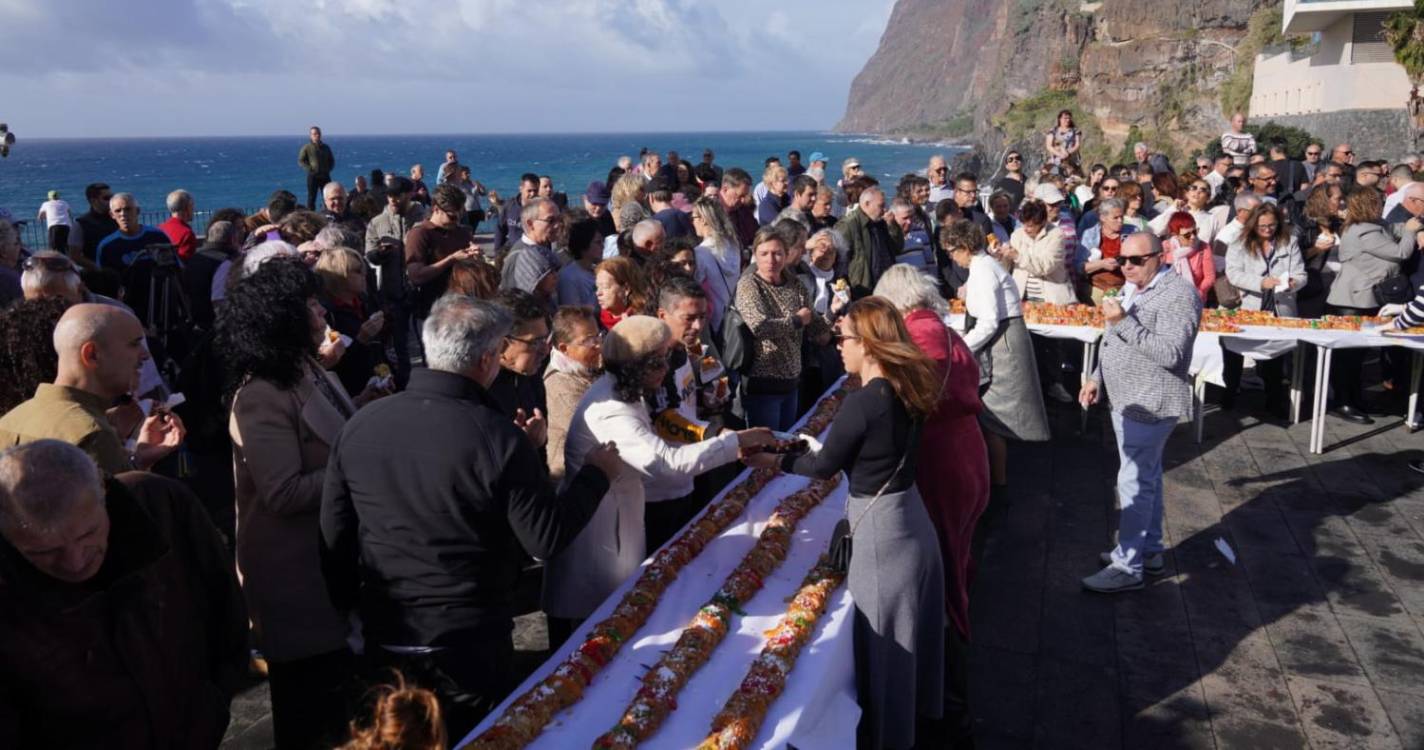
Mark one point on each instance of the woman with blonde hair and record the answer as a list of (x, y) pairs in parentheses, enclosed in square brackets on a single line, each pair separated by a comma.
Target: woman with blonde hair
[(719, 257), (622, 290), (630, 188), (896, 576), (342, 272)]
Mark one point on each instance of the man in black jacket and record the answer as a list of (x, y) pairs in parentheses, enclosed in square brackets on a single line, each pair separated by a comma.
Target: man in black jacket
[(433, 499), (222, 243), (121, 623)]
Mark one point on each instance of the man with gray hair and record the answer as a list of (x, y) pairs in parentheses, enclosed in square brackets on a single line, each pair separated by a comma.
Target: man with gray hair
[(433, 499), (540, 222), (648, 238), (333, 202), (179, 226), (224, 243), (101, 351), (51, 274), (1146, 352), (123, 623), (870, 248)]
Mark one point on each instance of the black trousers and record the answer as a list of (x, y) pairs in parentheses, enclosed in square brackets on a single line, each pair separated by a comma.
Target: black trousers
[(315, 183), (312, 699), (469, 680), (1346, 364), (59, 238)]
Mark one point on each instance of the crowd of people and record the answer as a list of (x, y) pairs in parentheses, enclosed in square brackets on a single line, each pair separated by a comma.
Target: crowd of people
[(336, 436)]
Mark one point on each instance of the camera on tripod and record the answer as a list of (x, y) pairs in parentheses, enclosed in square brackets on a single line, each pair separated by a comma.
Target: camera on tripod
[(163, 255)]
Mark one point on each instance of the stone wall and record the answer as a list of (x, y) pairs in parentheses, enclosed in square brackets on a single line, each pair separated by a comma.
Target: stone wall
[(1374, 133)]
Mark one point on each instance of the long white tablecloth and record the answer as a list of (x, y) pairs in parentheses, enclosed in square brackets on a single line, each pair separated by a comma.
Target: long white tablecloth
[(818, 708)]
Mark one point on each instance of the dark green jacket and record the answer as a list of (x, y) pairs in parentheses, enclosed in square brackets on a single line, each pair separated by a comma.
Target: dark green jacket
[(317, 159)]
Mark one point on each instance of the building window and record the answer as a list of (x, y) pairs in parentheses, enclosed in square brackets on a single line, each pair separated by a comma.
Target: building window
[(1367, 42)]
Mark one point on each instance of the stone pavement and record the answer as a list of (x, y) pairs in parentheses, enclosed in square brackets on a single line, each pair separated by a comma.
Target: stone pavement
[(1312, 637)]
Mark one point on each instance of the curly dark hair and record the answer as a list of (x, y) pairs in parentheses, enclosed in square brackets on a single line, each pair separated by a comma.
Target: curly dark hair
[(262, 329), (27, 355), (628, 377)]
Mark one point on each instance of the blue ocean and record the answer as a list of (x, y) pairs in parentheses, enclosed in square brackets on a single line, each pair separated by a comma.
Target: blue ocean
[(242, 172)]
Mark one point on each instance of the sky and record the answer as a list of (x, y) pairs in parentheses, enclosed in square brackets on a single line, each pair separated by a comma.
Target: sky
[(99, 68)]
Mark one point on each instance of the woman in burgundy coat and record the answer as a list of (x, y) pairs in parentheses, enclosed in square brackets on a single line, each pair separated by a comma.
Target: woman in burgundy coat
[(954, 462)]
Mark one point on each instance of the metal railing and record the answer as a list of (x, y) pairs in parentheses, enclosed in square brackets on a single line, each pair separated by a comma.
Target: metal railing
[(34, 235)]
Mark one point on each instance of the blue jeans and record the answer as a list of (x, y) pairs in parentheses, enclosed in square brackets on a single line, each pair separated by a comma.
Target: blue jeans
[(1139, 489), (776, 411)]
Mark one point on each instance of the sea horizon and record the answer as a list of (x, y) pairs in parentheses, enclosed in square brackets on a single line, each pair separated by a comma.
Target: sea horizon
[(242, 171)]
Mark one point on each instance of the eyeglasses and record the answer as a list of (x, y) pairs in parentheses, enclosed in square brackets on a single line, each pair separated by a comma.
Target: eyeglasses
[(966, 191), (1312, 153), (532, 343), (941, 169), (1012, 159), (841, 338), (48, 263), (1196, 188), (1203, 167), (1136, 260), (1108, 188)]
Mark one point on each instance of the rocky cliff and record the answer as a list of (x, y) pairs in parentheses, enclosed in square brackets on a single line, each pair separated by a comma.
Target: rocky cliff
[(996, 71)]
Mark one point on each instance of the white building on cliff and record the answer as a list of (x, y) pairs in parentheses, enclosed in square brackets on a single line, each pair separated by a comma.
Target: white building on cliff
[(1348, 88)]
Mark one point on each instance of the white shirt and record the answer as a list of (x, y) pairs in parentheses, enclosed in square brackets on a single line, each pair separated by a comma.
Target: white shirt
[(1215, 180), (990, 296), (1228, 236), (940, 192), (821, 297), (55, 213), (1207, 226), (610, 246), (611, 545), (1394, 199)]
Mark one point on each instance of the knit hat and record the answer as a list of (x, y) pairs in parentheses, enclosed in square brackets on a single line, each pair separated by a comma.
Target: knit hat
[(633, 338)]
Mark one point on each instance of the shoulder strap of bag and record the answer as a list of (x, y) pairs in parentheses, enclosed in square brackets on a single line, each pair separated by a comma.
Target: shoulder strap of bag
[(914, 441)]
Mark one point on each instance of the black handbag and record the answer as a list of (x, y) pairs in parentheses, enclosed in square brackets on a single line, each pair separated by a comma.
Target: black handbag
[(1395, 290)]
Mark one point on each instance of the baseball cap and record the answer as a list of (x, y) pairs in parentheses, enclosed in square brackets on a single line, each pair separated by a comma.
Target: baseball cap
[(1048, 193), (817, 156), (851, 162), (597, 193)]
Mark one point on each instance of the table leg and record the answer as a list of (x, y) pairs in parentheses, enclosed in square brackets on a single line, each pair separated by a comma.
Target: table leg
[(1416, 370), (1297, 381), (1090, 364), (1199, 406), (1322, 398)]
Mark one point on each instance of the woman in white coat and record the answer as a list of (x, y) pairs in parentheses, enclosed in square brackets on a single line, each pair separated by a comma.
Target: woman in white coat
[(1266, 267), (611, 546)]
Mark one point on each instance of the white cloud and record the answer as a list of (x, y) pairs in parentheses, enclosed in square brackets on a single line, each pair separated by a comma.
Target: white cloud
[(433, 65)]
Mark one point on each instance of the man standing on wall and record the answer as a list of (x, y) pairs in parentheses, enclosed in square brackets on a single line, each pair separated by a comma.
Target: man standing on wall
[(318, 161)]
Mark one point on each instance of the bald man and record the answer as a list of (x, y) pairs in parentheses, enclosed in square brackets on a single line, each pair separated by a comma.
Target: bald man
[(101, 350), (122, 621), (1146, 352)]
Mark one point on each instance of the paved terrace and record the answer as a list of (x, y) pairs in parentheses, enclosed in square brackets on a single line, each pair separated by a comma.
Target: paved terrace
[(1313, 637)]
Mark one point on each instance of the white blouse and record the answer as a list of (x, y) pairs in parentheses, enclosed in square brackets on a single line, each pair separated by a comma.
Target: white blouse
[(990, 296)]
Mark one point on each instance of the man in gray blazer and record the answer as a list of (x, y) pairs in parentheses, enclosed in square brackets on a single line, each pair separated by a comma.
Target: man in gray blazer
[(1146, 351)]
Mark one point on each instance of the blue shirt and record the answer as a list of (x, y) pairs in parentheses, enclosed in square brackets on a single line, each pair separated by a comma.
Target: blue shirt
[(118, 251)]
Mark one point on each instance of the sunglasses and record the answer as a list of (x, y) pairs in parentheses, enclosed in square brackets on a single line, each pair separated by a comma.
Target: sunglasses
[(1196, 189), (1312, 153), (1136, 260), (1014, 159), (533, 343), (56, 265), (840, 338)]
